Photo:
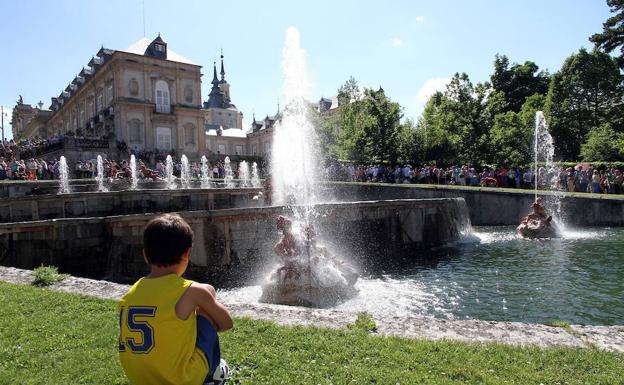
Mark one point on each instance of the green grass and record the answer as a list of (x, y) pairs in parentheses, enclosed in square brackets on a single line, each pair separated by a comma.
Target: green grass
[(56, 338), (47, 275)]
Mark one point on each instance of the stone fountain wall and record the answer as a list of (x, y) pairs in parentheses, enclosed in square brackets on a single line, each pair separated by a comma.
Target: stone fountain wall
[(495, 207), (232, 242), (98, 204)]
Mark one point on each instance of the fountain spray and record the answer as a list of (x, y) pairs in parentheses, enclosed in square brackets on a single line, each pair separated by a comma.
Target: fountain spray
[(185, 172), (63, 176), (170, 178), (205, 169), (133, 173)]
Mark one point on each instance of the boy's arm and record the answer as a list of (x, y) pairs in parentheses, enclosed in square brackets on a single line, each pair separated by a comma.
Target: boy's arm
[(205, 297)]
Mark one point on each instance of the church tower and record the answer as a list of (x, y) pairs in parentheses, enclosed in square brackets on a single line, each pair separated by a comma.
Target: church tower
[(220, 112), (223, 84)]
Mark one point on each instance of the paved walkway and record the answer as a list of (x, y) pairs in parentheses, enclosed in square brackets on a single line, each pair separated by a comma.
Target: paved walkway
[(610, 338)]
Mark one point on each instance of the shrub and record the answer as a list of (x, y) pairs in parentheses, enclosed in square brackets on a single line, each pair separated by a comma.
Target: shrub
[(47, 275)]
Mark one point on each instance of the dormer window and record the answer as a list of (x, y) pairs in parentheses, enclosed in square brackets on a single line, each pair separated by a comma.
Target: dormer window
[(159, 47)]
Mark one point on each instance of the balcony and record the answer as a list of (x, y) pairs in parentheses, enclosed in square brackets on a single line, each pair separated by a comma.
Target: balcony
[(163, 108)]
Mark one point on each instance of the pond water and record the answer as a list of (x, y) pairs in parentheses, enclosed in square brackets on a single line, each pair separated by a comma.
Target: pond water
[(495, 275)]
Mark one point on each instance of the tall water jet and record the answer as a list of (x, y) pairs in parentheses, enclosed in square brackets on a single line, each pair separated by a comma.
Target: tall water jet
[(99, 178), (169, 177), (243, 174), (255, 177), (185, 173), (545, 220), (308, 274), (294, 169), (205, 172), (134, 182), (547, 175), (228, 179), (63, 176)]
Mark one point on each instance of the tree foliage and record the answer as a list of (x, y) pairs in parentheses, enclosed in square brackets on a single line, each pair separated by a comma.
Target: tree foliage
[(612, 35), (602, 145), (369, 124), (585, 93), (518, 81)]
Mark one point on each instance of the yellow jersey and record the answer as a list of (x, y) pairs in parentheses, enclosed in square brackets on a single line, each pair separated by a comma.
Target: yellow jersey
[(155, 346)]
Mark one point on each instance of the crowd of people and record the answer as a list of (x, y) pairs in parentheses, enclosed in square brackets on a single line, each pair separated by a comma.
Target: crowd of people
[(40, 169), (581, 178)]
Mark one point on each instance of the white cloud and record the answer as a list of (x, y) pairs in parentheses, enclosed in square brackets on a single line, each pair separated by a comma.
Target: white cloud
[(429, 88), (397, 42), (420, 19)]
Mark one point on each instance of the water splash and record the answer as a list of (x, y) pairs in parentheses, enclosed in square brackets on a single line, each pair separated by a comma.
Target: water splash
[(243, 174), (255, 177), (134, 182), (170, 178), (100, 174), (63, 176), (294, 166), (546, 176), (229, 177), (185, 172), (205, 172)]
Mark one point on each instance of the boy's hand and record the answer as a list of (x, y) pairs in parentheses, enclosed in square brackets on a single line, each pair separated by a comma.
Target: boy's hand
[(205, 297)]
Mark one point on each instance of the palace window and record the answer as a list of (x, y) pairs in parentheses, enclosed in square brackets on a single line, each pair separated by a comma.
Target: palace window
[(221, 149), (189, 134), (98, 102), (163, 138), (109, 94), (135, 134), (239, 149), (163, 104)]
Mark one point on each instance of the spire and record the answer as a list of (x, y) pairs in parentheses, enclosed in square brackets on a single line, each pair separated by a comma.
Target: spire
[(215, 79), (222, 69)]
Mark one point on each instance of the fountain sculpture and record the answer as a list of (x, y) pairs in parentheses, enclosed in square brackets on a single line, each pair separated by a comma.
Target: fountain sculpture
[(538, 223), (307, 274)]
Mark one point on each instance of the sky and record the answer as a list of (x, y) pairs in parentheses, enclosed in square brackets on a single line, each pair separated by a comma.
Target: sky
[(410, 48)]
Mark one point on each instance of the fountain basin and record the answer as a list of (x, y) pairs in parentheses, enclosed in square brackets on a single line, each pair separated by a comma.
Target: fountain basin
[(234, 244)]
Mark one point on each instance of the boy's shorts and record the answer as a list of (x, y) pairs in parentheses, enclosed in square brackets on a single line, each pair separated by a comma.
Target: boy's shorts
[(208, 342)]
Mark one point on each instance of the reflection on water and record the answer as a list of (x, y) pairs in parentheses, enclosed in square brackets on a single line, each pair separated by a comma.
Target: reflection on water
[(495, 275)]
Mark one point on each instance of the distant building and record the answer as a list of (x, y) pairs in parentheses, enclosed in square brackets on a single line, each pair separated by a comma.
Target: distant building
[(258, 140), (28, 121), (223, 122)]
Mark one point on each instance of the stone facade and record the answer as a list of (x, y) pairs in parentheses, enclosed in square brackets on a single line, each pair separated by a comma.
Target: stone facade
[(145, 96), (28, 121)]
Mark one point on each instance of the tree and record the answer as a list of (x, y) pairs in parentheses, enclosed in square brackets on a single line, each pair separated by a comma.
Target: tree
[(369, 124), (410, 143), (602, 145), (612, 35), (511, 140), (518, 82), (585, 93)]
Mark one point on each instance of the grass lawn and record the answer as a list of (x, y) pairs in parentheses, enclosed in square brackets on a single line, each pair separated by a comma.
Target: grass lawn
[(55, 338)]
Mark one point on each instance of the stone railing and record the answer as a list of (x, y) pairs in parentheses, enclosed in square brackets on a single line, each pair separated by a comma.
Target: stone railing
[(91, 143), (34, 151)]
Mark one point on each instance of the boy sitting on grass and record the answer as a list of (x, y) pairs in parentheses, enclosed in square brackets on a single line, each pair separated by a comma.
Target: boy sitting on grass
[(169, 325)]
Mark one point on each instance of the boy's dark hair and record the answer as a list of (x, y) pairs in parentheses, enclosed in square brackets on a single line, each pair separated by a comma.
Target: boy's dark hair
[(165, 239)]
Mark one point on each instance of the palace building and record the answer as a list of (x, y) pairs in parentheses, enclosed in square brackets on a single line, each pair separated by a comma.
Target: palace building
[(145, 97)]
